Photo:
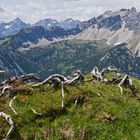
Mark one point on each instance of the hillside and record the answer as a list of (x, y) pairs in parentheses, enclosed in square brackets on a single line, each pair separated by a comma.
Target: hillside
[(120, 26), (13, 61), (66, 56), (100, 113), (60, 57)]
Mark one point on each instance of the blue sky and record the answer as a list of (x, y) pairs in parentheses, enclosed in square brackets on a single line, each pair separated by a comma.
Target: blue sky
[(34, 10)]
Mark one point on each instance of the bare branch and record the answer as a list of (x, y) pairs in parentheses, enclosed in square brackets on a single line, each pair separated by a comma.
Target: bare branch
[(10, 105), (10, 122), (78, 77), (52, 79), (125, 80), (96, 74), (62, 94), (35, 112)]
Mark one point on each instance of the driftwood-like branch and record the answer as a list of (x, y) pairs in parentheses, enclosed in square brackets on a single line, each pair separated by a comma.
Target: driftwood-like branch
[(30, 76), (108, 69), (63, 95), (78, 78), (35, 112), (96, 74), (99, 76), (57, 78), (126, 80), (10, 105), (5, 88), (10, 122), (75, 102)]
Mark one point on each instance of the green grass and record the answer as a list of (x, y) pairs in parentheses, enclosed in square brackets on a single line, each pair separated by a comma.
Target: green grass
[(90, 119)]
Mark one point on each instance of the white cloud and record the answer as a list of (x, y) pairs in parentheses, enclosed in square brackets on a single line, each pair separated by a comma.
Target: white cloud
[(33, 10), (1, 10)]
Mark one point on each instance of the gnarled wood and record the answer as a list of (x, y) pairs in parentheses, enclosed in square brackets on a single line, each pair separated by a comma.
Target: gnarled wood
[(10, 122), (78, 77), (10, 105), (57, 78), (126, 80), (96, 74)]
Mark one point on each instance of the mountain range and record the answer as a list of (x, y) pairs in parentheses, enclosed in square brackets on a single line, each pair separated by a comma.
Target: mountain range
[(13, 27), (69, 23), (50, 46)]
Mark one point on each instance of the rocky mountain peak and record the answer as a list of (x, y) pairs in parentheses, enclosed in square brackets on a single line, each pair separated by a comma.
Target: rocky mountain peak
[(17, 20), (133, 9)]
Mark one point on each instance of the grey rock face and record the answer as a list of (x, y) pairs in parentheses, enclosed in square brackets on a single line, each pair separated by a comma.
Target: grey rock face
[(12, 27)]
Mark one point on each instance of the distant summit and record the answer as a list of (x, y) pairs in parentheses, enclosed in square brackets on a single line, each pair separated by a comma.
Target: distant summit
[(116, 27), (66, 24), (12, 27)]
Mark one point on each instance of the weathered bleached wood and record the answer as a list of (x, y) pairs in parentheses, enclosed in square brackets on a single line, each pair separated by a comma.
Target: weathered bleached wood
[(30, 76), (35, 112), (52, 79), (125, 80), (5, 88), (78, 78), (96, 74), (63, 95), (75, 102), (108, 69), (57, 78), (10, 105), (10, 122)]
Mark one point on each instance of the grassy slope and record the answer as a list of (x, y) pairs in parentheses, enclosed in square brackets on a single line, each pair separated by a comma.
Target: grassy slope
[(87, 120)]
